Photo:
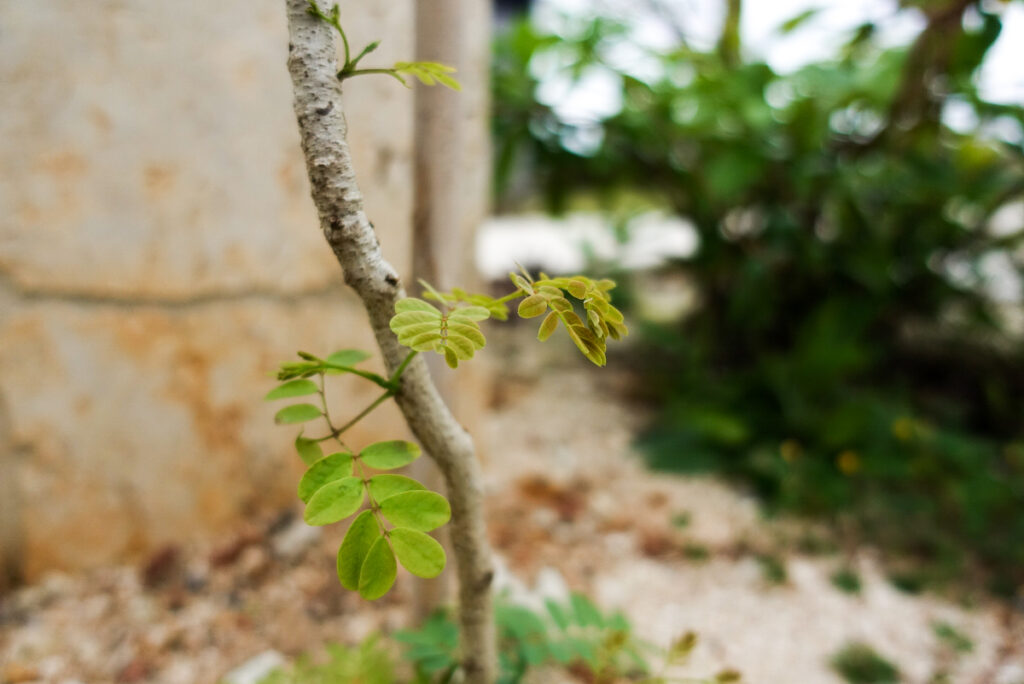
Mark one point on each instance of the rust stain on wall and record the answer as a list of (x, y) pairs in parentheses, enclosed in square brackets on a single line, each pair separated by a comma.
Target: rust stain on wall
[(65, 165), (159, 179)]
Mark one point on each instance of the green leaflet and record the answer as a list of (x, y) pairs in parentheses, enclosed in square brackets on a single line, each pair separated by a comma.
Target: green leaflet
[(587, 613), (411, 330), (520, 282), (577, 288), (417, 510), (327, 469), (383, 486), (389, 455), (533, 306), (426, 341), (378, 571), (361, 535), (297, 413), (467, 330), (547, 326), (347, 357), (419, 553), (462, 346), (413, 304), (309, 450), (334, 501), (471, 313), (293, 388)]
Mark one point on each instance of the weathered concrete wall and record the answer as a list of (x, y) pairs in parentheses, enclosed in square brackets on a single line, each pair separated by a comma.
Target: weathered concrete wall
[(159, 253)]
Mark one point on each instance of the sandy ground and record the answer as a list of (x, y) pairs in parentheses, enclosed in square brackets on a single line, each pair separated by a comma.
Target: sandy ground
[(617, 543), (570, 508)]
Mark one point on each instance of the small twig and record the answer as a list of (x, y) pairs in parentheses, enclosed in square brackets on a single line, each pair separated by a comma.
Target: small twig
[(397, 375), (362, 414)]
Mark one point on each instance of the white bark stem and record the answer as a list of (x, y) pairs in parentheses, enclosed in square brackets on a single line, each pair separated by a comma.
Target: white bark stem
[(312, 63)]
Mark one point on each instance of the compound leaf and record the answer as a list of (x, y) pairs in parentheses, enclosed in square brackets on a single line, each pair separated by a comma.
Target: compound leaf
[(378, 571), (294, 388), (383, 486), (334, 501), (327, 469), (361, 535), (390, 455), (418, 510), (429, 72), (419, 553), (297, 413)]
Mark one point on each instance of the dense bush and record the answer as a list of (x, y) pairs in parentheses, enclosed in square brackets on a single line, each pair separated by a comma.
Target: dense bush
[(846, 356)]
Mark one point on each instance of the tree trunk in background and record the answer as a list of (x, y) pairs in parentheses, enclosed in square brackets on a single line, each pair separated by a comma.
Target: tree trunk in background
[(10, 513), (729, 43), (449, 153)]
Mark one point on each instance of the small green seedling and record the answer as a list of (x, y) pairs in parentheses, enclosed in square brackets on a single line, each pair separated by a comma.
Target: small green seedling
[(399, 511)]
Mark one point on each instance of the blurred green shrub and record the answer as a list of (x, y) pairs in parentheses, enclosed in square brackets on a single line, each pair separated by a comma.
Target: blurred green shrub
[(845, 356), (575, 635), (368, 663), (858, 663), (846, 580)]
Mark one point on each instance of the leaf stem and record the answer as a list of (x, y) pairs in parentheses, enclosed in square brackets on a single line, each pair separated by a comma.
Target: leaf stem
[(331, 19), (350, 66), (344, 41), (362, 414), (378, 380), (390, 72), (509, 297), (397, 375), (357, 463)]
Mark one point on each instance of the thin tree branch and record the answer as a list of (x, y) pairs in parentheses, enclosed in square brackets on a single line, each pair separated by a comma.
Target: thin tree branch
[(318, 107), (729, 42)]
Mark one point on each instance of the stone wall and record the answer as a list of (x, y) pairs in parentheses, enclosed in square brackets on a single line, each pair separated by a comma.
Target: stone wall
[(159, 254)]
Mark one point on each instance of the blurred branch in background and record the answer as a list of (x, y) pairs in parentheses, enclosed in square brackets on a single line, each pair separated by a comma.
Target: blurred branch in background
[(729, 43), (853, 349)]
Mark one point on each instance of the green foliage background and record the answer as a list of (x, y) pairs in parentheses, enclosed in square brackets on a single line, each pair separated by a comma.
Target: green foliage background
[(845, 358)]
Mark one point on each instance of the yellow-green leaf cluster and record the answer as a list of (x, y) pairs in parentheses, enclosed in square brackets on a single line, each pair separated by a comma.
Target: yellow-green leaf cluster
[(549, 295), (428, 73), (454, 332), (496, 307), (335, 487)]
